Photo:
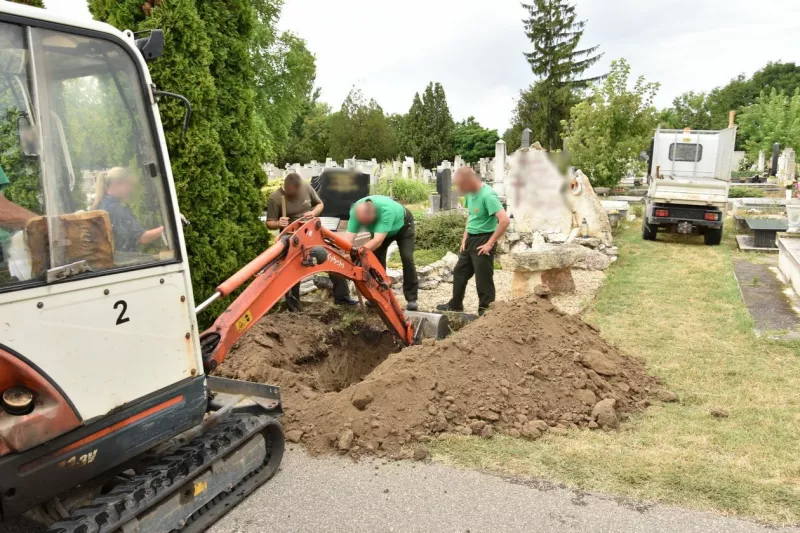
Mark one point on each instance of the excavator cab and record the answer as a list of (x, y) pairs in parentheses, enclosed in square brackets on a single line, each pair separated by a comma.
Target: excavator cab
[(106, 415)]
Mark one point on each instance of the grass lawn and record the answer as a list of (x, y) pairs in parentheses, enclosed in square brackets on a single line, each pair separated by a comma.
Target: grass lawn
[(677, 305)]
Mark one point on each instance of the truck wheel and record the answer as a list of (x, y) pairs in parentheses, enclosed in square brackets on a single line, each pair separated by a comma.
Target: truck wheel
[(713, 237), (649, 231)]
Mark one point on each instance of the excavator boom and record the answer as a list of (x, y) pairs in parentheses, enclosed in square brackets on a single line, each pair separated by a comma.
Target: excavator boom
[(304, 248)]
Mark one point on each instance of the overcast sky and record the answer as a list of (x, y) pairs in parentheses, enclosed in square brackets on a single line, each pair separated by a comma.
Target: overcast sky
[(392, 49)]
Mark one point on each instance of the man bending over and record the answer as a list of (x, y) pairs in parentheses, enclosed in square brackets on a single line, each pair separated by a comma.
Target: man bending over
[(388, 221)]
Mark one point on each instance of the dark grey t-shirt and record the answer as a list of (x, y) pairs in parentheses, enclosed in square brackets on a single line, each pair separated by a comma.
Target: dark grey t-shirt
[(127, 230), (306, 200)]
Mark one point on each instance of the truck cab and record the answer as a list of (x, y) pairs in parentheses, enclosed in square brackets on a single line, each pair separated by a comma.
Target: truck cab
[(690, 173)]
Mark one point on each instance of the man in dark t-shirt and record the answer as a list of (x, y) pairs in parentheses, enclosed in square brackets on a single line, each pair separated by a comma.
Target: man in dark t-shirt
[(300, 199)]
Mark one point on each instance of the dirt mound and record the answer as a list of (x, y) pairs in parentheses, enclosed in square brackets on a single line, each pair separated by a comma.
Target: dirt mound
[(522, 370)]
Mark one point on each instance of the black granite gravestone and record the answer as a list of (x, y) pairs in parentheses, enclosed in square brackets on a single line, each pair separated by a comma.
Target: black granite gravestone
[(444, 188), (339, 189)]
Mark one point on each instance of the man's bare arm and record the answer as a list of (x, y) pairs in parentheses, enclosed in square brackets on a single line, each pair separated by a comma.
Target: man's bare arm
[(375, 242), (12, 216)]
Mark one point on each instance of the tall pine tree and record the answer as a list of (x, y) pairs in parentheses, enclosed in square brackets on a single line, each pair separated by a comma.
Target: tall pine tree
[(558, 61)]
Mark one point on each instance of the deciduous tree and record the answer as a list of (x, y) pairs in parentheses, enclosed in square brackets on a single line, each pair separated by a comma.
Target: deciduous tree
[(773, 118), (361, 129), (607, 131), (689, 110), (472, 141)]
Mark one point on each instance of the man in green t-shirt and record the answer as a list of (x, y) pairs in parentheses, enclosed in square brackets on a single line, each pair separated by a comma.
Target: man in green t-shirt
[(387, 221), (487, 222)]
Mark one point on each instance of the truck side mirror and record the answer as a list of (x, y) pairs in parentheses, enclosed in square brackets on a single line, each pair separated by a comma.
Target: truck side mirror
[(28, 137)]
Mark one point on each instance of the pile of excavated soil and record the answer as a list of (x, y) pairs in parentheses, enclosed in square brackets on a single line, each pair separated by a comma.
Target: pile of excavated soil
[(522, 370)]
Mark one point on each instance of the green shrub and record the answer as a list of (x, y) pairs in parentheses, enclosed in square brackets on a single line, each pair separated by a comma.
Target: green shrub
[(442, 231), (745, 192), (738, 174), (405, 191)]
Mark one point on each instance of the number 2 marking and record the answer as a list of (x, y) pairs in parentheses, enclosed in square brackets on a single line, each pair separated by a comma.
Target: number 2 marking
[(121, 319)]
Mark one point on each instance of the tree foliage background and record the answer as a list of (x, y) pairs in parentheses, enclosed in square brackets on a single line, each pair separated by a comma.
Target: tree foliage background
[(213, 49), (427, 129), (773, 118), (607, 131), (472, 141), (361, 129)]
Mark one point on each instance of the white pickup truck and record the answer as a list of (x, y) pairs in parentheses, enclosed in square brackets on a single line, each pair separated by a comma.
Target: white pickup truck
[(690, 174)]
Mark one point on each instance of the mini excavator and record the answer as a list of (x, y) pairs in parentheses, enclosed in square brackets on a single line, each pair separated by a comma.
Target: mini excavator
[(109, 421)]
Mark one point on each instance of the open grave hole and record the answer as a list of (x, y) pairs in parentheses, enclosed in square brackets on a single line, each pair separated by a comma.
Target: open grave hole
[(315, 352)]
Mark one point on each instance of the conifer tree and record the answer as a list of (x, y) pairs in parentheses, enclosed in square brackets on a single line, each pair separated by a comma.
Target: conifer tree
[(558, 61)]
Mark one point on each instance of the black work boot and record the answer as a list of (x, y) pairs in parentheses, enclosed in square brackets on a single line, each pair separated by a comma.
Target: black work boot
[(449, 307), (293, 305)]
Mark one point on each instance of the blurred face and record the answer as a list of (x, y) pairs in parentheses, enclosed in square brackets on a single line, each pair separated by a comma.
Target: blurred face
[(121, 189), (466, 181), (365, 213), (290, 190)]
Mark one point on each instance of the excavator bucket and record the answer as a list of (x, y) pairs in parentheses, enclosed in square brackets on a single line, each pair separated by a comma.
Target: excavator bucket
[(428, 325)]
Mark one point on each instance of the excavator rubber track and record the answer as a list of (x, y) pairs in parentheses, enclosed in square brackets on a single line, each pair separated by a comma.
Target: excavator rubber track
[(189, 489)]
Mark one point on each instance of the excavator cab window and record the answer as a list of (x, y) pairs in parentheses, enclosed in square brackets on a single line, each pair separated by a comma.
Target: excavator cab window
[(89, 182)]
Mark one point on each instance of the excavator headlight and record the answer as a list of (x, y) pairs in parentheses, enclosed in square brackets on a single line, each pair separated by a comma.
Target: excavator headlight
[(17, 401)]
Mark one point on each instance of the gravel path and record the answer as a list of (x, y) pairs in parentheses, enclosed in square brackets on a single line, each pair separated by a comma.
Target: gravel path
[(587, 283), (332, 494)]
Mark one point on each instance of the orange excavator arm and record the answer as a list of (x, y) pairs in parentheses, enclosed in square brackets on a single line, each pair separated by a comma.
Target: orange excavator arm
[(304, 248)]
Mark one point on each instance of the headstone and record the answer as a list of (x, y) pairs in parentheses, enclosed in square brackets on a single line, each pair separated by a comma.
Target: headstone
[(483, 168), (444, 187), (458, 162), (427, 176), (762, 160), (787, 166), (411, 166), (436, 202), (339, 189), (773, 169), (500, 167), (543, 200), (445, 165), (526, 138)]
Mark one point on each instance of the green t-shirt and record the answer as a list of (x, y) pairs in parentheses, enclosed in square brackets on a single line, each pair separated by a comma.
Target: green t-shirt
[(482, 207), (390, 217)]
